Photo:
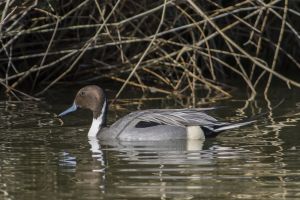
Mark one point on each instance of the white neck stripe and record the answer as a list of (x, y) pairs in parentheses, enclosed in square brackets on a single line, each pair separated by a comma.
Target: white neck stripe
[(97, 123)]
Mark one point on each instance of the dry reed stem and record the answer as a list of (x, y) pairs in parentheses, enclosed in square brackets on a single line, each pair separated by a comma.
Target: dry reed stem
[(277, 46), (145, 52), (174, 45), (84, 48)]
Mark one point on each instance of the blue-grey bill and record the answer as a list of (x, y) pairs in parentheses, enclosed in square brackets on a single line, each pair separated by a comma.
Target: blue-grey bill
[(71, 109)]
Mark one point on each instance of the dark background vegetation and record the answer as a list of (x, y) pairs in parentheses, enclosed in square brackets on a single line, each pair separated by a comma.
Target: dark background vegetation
[(171, 47)]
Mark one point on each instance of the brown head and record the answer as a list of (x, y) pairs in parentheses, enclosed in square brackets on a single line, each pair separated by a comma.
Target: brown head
[(89, 97)]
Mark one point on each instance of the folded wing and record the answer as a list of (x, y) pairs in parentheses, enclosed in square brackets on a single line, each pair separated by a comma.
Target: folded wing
[(180, 117)]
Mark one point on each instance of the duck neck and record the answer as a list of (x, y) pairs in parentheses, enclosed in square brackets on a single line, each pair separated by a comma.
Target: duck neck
[(99, 121)]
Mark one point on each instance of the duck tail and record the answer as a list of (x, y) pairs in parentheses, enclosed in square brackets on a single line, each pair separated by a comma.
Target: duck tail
[(216, 130), (233, 125), (244, 122)]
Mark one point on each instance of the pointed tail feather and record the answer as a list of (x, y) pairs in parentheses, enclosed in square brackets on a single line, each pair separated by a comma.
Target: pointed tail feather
[(233, 125), (245, 122)]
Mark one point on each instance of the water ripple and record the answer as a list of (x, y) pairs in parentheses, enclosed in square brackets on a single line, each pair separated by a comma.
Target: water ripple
[(39, 159)]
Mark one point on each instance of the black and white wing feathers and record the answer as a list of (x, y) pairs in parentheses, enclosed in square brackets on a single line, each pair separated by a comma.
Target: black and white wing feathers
[(179, 117)]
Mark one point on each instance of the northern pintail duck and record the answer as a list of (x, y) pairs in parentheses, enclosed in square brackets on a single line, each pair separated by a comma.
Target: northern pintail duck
[(148, 125)]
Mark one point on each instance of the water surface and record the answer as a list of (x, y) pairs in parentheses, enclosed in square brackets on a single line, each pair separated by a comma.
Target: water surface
[(40, 159)]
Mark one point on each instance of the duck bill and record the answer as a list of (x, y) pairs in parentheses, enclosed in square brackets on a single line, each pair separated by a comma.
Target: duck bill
[(69, 110)]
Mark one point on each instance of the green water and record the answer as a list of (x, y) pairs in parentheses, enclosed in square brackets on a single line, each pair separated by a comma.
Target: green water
[(40, 159)]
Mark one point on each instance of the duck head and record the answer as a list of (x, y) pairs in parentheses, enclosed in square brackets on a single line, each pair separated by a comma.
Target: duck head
[(93, 98)]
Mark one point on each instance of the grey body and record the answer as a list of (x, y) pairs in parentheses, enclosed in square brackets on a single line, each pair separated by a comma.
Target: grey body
[(159, 132), (171, 125)]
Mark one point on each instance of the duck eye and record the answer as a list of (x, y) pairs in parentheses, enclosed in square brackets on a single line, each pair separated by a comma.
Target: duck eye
[(82, 93)]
